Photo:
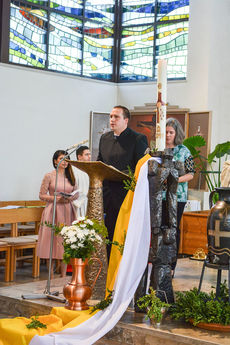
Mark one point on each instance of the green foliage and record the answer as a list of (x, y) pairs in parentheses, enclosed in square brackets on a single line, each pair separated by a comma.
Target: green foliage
[(221, 150), (130, 184), (193, 142), (35, 323), (153, 306), (56, 227), (120, 246), (202, 307), (103, 303), (100, 228)]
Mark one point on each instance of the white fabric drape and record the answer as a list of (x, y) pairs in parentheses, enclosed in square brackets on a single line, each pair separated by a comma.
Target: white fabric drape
[(132, 266)]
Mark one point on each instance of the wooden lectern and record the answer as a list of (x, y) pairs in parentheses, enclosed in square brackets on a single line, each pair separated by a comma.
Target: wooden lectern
[(98, 172)]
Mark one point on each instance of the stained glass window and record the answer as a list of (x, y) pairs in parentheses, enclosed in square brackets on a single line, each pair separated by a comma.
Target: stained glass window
[(98, 39), (65, 43), (164, 36), (91, 37), (68, 6), (171, 44), (39, 2), (28, 28)]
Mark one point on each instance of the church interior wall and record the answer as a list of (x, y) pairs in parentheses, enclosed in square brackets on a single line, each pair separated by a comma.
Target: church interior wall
[(40, 113), (44, 111)]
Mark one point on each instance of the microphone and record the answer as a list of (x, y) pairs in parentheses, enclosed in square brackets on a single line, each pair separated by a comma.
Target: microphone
[(77, 145)]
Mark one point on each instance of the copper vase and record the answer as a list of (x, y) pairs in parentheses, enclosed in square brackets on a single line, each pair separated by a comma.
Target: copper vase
[(77, 292)]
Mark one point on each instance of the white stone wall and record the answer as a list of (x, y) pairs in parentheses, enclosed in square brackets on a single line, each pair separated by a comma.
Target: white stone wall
[(44, 111), (40, 113)]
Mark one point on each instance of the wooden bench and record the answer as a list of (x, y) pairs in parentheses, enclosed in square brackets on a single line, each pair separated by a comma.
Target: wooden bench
[(27, 229), (4, 247), (5, 230), (22, 203), (21, 243), (21, 215)]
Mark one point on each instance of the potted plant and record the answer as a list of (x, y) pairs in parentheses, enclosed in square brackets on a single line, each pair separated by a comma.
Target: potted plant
[(212, 176), (203, 310), (155, 308)]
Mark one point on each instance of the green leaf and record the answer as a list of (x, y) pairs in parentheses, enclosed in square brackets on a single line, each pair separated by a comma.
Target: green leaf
[(35, 323), (103, 303), (219, 151), (193, 142), (130, 184)]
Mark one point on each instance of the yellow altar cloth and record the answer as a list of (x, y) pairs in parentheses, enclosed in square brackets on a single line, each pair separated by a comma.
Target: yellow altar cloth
[(14, 331)]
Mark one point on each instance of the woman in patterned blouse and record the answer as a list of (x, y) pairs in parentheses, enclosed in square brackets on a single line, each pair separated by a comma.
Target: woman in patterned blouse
[(174, 139)]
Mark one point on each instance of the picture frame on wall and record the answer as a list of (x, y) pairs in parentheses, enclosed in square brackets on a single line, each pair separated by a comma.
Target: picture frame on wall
[(99, 124), (200, 124), (146, 124)]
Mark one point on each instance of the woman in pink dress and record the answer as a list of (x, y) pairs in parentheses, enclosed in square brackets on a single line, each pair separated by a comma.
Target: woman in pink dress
[(65, 212)]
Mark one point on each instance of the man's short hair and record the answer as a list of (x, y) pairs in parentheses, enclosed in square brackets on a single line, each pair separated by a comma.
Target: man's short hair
[(126, 112), (80, 150)]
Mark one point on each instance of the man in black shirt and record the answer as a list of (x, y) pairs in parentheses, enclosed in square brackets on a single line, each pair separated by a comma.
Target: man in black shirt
[(122, 147)]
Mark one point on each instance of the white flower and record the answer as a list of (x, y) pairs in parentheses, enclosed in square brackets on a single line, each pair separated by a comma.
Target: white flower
[(88, 221), (71, 233), (72, 239), (80, 235), (98, 238), (63, 230), (80, 219)]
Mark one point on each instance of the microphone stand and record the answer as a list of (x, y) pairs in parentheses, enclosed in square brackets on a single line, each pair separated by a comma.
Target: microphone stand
[(47, 293)]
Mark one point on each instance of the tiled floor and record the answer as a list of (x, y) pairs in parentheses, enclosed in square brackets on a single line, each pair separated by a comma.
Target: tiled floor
[(187, 275), (24, 275)]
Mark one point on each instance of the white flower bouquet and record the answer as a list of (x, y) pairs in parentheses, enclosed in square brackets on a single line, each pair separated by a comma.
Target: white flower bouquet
[(80, 238)]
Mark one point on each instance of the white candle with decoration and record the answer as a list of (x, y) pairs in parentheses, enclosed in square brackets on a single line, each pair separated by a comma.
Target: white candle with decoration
[(161, 105)]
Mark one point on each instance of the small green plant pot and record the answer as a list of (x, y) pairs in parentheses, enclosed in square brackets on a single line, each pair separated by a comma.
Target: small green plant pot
[(156, 322)]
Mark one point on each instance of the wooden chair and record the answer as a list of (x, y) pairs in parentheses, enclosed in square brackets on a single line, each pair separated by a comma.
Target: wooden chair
[(26, 229), (5, 230), (4, 247), (21, 243), (22, 215)]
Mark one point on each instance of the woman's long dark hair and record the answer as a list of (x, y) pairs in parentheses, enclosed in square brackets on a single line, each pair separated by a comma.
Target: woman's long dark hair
[(68, 170)]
